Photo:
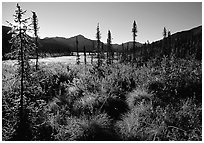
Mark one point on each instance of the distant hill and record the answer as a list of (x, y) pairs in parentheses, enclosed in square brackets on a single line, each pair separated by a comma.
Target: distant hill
[(82, 41), (64, 46), (54, 45), (129, 44), (189, 33), (6, 46), (182, 44)]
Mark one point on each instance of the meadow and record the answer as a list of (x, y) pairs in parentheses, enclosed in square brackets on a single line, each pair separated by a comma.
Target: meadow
[(160, 100)]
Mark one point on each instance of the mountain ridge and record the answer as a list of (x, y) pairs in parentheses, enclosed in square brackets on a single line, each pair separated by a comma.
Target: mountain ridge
[(68, 45)]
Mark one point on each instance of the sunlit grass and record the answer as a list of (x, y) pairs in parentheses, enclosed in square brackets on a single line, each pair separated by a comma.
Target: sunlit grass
[(157, 101)]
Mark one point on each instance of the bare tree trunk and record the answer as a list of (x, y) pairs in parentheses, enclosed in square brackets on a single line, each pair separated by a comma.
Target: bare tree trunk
[(36, 42), (84, 55), (98, 56), (22, 79)]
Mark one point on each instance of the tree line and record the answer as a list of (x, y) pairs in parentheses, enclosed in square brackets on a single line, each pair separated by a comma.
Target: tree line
[(179, 46)]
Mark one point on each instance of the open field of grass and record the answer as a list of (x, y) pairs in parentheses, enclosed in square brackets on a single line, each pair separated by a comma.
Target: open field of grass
[(161, 100)]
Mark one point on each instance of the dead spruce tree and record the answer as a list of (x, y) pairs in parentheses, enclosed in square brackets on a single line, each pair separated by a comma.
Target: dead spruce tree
[(35, 29), (22, 47)]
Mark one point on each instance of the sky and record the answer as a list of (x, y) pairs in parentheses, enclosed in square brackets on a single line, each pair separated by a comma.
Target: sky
[(68, 19)]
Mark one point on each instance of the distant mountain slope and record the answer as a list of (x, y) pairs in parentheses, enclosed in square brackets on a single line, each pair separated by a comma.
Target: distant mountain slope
[(129, 44), (63, 45), (188, 33), (54, 45), (6, 46), (182, 44), (46, 46), (82, 41)]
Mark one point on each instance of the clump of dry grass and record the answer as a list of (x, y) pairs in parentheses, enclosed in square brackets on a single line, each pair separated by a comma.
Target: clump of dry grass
[(137, 97)]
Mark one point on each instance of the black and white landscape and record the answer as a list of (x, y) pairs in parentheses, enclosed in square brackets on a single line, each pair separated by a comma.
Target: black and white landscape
[(101, 71)]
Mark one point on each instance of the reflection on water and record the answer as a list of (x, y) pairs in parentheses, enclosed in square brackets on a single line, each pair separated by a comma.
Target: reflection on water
[(62, 59)]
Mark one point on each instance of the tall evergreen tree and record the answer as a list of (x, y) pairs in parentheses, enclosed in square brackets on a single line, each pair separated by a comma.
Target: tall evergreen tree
[(22, 48), (134, 31), (98, 37), (164, 33), (109, 48), (169, 43), (35, 28)]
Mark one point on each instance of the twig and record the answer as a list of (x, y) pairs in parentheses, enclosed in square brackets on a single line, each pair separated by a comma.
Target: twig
[(155, 136), (176, 128)]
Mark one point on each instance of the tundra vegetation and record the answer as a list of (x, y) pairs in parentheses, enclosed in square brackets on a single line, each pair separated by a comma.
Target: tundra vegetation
[(148, 93)]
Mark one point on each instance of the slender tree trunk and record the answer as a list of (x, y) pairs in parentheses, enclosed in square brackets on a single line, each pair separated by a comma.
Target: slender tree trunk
[(92, 52), (77, 51), (108, 55), (84, 55), (134, 50), (98, 56), (22, 79), (36, 42)]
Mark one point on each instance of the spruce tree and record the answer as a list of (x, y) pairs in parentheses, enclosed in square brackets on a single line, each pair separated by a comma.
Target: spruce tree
[(35, 29), (98, 37), (169, 43), (109, 48), (164, 41), (164, 33), (22, 48), (134, 31)]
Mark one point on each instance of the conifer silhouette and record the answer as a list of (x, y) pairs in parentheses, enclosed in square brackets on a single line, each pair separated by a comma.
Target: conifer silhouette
[(134, 31), (98, 37), (22, 48), (35, 28), (109, 48)]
